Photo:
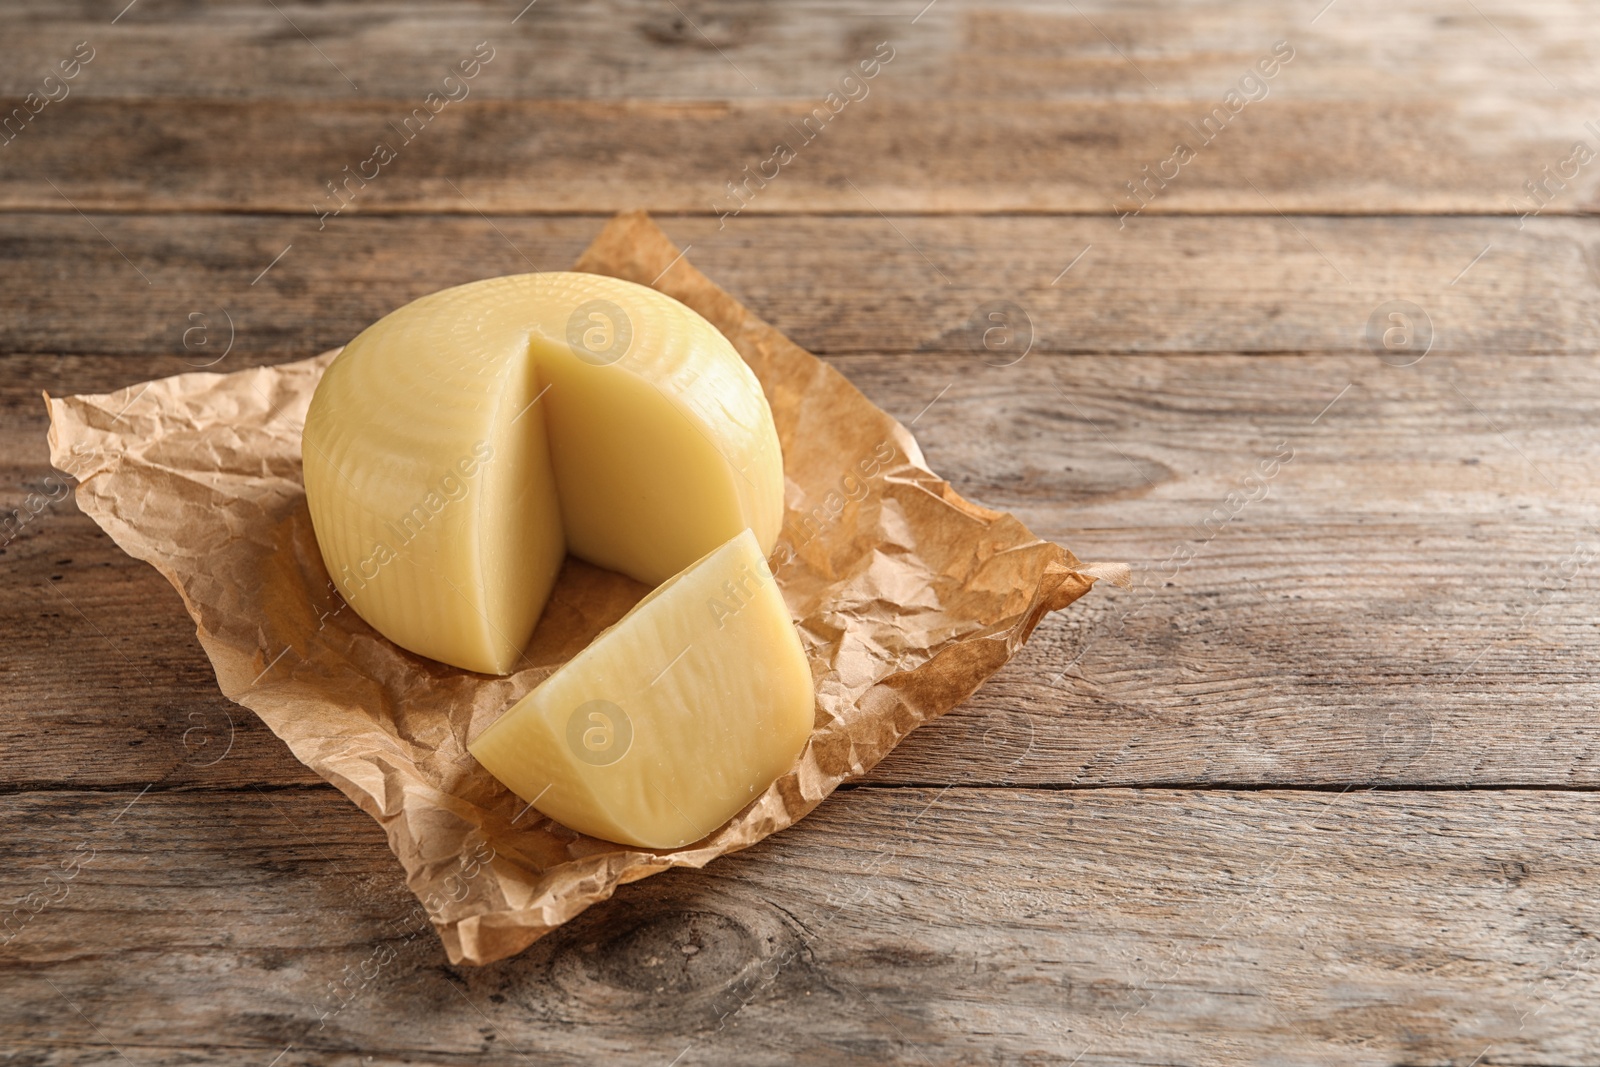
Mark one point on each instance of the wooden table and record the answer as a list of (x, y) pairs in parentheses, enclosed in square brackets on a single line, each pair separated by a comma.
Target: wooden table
[(1320, 789)]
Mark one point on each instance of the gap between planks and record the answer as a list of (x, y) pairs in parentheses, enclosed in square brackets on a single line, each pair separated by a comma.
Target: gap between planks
[(434, 212), (45, 788)]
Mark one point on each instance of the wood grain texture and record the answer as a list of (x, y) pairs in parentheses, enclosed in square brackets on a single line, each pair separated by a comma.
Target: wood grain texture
[(904, 925), (897, 153), (183, 286), (637, 49), (1400, 615), (622, 105)]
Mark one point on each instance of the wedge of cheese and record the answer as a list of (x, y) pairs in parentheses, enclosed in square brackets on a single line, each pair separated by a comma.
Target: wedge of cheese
[(671, 720), (458, 448)]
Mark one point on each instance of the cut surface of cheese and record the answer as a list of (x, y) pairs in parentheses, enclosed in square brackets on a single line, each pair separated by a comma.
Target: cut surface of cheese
[(673, 719), (458, 448)]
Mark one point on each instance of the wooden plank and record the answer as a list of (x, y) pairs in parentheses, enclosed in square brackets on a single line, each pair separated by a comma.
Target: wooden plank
[(281, 289), (1383, 107), (735, 49), (893, 925), (895, 153), (1407, 600)]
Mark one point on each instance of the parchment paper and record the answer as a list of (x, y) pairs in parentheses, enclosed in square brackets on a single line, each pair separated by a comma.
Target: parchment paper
[(906, 597)]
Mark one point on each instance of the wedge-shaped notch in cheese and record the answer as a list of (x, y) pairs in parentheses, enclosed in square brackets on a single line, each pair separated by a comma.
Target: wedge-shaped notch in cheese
[(458, 448), (673, 719)]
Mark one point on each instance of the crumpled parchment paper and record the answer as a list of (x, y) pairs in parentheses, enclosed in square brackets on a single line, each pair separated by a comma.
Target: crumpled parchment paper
[(906, 597)]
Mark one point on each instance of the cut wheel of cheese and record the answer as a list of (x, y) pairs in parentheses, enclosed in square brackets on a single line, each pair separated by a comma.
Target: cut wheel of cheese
[(671, 720), (460, 446)]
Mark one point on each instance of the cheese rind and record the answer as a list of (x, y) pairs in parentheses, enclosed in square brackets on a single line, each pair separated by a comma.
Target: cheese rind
[(673, 719), (460, 446)]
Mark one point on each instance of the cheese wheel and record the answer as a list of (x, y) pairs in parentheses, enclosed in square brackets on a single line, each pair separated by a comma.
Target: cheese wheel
[(673, 719), (458, 448)]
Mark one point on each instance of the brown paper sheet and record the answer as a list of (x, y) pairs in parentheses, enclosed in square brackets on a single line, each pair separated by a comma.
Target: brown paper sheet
[(906, 597)]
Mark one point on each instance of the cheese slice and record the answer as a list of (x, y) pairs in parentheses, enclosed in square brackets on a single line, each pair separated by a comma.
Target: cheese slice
[(458, 448), (673, 719)]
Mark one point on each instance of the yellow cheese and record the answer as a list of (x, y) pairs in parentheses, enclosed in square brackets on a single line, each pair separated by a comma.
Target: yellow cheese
[(671, 720), (460, 446)]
